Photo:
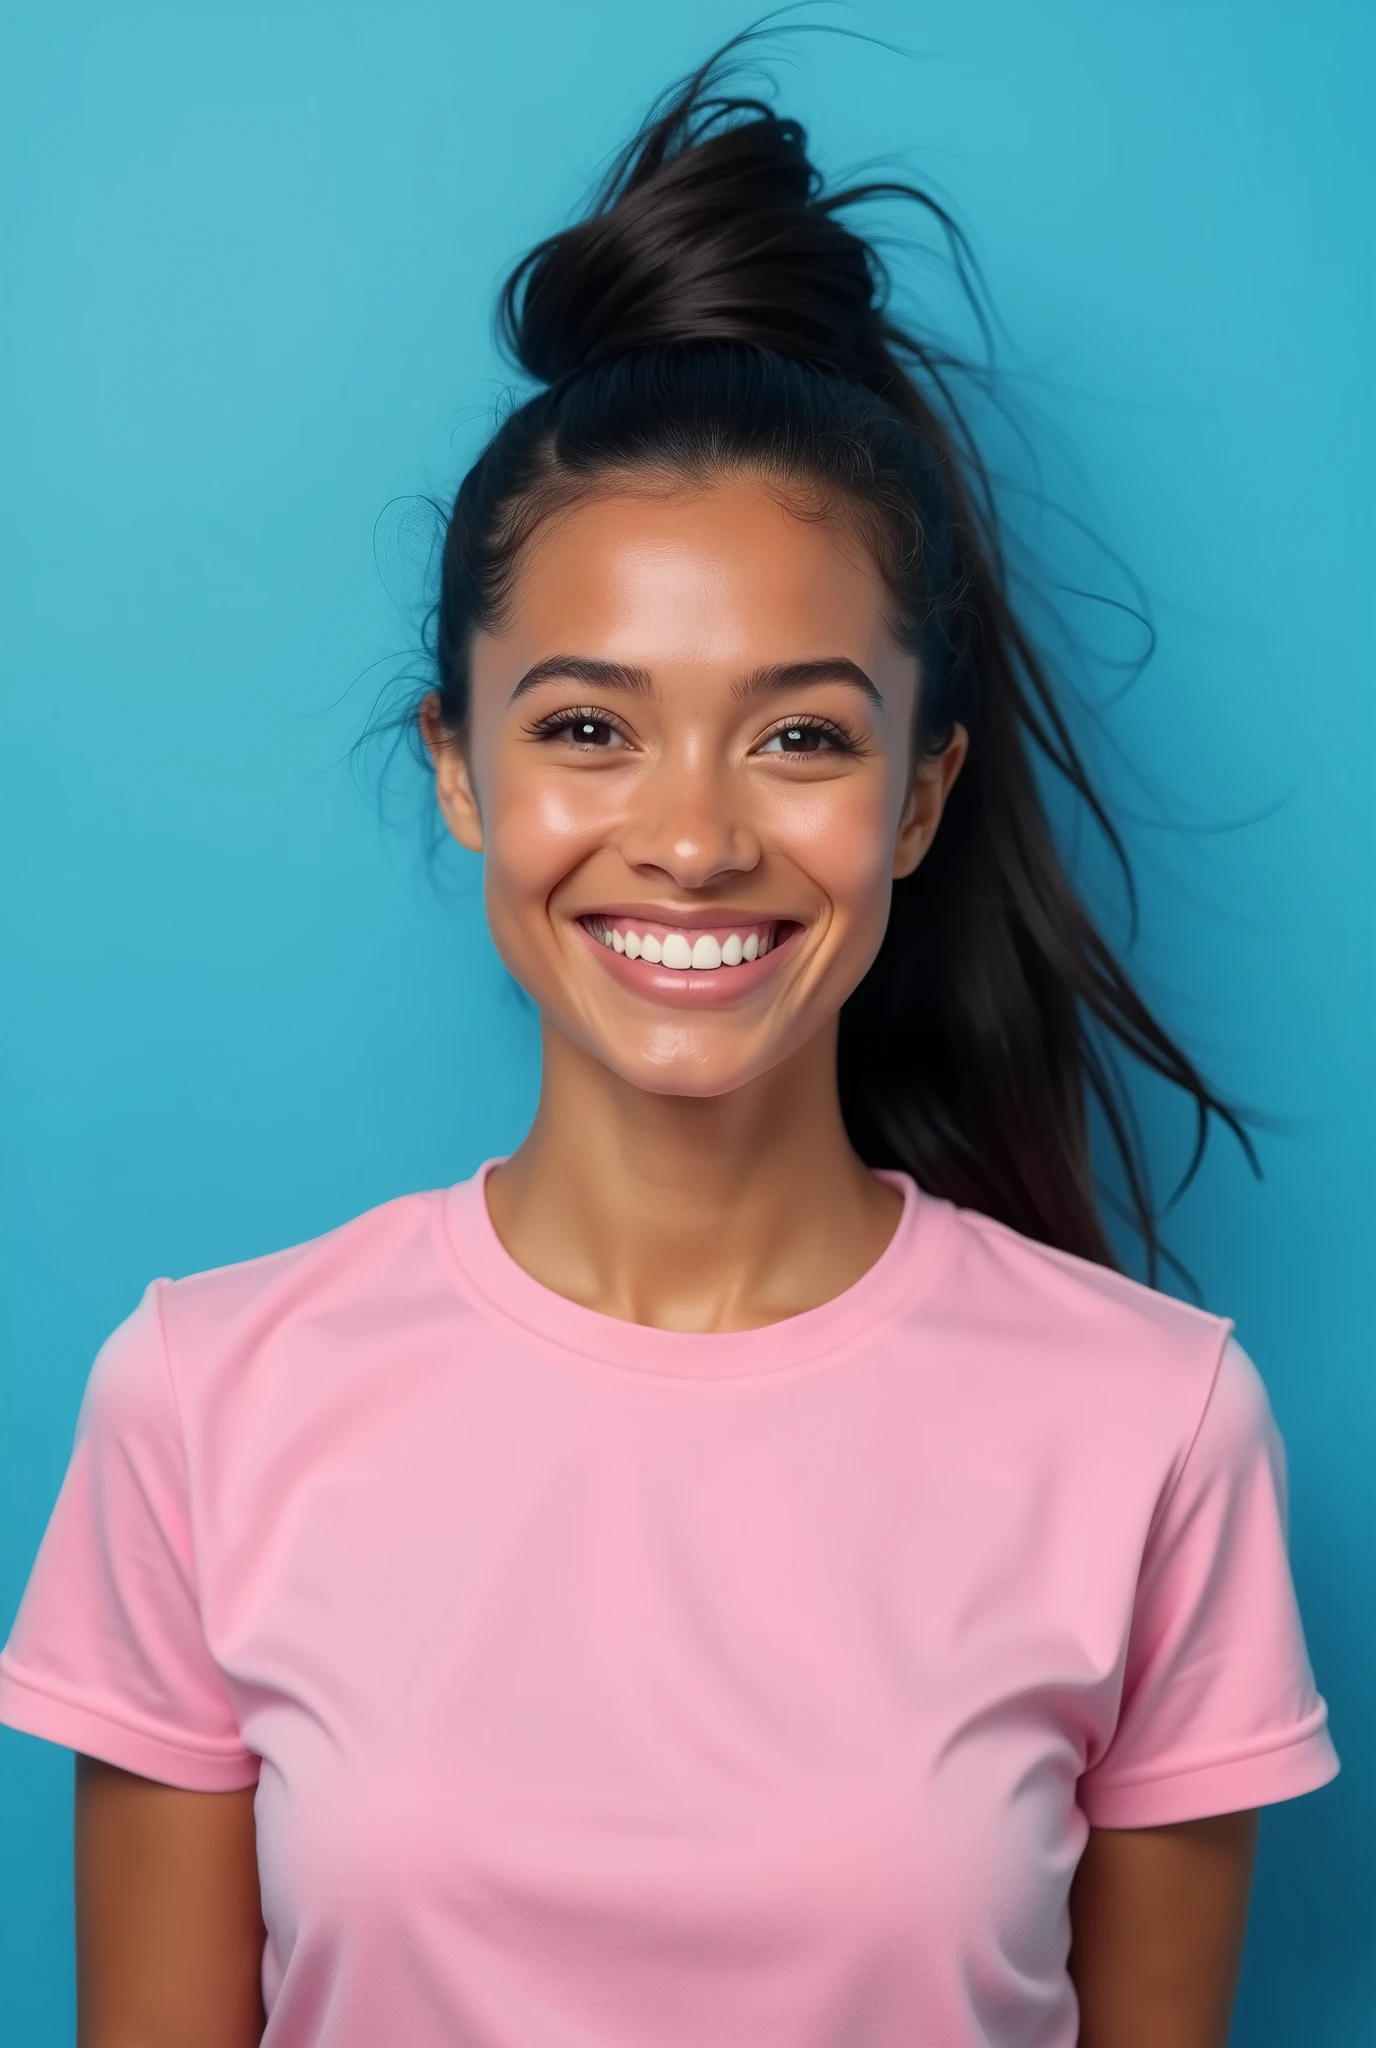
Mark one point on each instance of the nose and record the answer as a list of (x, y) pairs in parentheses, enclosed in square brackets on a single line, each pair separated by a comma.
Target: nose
[(687, 822)]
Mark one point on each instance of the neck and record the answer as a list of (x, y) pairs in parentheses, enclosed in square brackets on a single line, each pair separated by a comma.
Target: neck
[(691, 1213)]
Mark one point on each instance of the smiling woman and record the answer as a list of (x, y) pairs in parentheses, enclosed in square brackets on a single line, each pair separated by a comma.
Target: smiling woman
[(745, 1568), (722, 778)]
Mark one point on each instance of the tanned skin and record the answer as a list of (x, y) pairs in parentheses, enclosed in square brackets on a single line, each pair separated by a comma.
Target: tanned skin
[(1157, 1919), (632, 746), (169, 1930)]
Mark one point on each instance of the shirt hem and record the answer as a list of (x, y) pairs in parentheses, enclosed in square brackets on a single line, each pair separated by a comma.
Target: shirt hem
[(33, 1710), (1264, 1778)]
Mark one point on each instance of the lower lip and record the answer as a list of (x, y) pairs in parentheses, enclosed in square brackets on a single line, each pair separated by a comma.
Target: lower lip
[(714, 990)]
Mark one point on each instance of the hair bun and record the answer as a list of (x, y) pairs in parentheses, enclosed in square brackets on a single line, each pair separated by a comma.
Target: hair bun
[(711, 227)]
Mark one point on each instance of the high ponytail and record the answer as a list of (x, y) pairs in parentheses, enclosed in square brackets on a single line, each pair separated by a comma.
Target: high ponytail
[(714, 312)]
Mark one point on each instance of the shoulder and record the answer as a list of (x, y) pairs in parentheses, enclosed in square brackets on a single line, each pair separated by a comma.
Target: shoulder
[(323, 1294), (349, 1257), (1113, 1358), (1015, 1277)]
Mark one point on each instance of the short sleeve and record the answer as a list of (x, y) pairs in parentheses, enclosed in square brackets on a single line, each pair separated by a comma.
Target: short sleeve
[(108, 1654), (1219, 1710)]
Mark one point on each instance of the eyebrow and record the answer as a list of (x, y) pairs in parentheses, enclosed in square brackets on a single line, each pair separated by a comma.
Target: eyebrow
[(620, 675), (805, 675), (583, 668)]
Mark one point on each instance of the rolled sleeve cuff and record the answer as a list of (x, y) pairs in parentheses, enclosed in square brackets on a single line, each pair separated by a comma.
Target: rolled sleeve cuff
[(37, 1709), (1298, 1762)]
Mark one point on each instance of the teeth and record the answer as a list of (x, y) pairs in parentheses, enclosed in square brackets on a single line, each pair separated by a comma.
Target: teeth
[(704, 954)]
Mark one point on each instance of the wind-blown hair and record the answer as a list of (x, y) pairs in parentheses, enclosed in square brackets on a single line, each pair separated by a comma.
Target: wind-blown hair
[(714, 313)]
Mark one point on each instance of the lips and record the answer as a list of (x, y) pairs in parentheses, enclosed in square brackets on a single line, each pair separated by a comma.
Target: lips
[(712, 974)]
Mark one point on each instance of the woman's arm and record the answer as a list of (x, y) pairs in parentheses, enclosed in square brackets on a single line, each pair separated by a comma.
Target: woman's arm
[(169, 1928), (1157, 1919)]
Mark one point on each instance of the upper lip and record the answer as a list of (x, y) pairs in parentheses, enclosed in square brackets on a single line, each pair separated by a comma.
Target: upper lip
[(689, 920)]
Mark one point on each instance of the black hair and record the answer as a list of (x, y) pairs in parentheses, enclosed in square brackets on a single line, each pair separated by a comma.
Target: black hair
[(713, 313)]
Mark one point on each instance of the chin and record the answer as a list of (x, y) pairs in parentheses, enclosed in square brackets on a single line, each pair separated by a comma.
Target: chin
[(689, 1087), (698, 1074)]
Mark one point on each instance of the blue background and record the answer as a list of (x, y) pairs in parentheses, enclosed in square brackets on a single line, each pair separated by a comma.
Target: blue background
[(248, 257)]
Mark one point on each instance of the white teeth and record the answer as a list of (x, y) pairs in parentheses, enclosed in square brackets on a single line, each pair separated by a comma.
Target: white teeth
[(677, 950)]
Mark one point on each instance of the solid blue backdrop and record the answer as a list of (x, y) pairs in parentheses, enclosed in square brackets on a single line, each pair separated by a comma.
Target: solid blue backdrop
[(248, 261)]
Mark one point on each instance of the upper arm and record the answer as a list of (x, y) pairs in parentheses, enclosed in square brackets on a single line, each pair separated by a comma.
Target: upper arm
[(169, 1927), (1157, 1922)]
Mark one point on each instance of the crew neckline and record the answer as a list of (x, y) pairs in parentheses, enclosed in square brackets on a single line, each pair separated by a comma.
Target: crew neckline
[(902, 1273)]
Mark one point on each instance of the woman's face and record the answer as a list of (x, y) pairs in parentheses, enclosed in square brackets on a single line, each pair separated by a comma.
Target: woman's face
[(689, 772)]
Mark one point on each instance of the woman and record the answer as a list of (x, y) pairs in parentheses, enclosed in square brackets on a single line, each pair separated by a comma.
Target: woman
[(745, 1568)]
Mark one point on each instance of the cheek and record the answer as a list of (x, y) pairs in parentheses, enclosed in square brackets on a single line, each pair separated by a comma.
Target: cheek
[(540, 823), (842, 835)]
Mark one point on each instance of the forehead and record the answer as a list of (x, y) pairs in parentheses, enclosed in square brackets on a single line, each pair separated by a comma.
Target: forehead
[(724, 574)]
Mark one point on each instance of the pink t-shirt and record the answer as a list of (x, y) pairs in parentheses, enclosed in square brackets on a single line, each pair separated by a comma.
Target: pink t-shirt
[(604, 1685)]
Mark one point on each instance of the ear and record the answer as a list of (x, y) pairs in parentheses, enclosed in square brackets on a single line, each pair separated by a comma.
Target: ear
[(453, 778), (933, 778)]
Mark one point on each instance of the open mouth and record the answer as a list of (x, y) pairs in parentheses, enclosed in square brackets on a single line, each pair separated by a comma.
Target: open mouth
[(683, 950)]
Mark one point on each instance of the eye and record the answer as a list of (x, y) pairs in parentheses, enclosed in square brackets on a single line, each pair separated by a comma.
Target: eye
[(588, 730), (808, 736)]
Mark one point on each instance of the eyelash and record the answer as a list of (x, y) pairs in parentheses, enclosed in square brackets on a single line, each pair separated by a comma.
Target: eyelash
[(842, 742), (558, 722)]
